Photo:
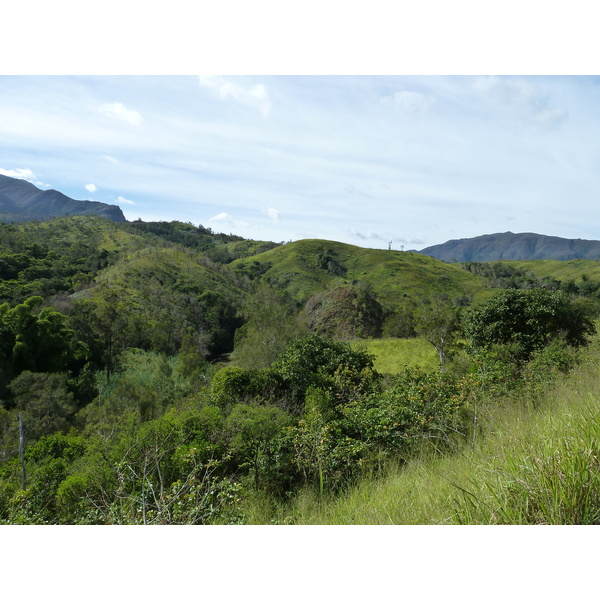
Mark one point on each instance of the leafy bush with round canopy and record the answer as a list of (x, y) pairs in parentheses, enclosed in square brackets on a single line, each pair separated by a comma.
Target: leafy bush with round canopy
[(528, 320)]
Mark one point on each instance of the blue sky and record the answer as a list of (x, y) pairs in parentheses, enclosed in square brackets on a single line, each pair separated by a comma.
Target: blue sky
[(364, 123), (367, 160)]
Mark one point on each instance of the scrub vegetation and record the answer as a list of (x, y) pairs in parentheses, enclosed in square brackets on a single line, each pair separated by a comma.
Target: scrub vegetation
[(161, 373)]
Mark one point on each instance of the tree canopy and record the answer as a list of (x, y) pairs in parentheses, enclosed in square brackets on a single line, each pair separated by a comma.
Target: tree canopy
[(528, 320)]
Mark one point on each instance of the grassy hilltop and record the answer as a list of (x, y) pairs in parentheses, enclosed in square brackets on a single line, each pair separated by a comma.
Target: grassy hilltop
[(306, 267)]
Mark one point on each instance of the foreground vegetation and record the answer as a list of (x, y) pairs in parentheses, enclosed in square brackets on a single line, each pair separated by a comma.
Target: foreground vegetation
[(163, 374), (536, 462)]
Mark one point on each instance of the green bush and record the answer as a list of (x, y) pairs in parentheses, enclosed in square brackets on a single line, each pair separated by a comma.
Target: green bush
[(421, 406), (528, 320)]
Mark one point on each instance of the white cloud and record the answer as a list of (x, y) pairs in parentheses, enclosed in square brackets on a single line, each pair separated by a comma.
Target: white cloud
[(409, 102), (273, 213), (119, 111), (224, 217), (368, 235), (90, 187), (26, 174), (257, 96), (122, 200), (506, 91), (111, 159)]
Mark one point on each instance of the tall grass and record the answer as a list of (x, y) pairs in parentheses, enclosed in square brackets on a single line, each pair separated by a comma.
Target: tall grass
[(538, 462)]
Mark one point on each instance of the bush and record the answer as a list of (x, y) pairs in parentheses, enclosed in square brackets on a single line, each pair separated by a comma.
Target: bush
[(527, 319), (419, 406), (328, 364)]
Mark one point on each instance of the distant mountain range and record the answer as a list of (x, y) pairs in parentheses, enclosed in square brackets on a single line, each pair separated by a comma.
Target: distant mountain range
[(22, 201), (514, 246)]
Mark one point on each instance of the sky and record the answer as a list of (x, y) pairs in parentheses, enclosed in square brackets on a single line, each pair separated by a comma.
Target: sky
[(376, 125), (370, 160)]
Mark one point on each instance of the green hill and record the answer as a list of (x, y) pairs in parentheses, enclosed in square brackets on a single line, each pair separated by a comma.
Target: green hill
[(307, 267), (159, 287)]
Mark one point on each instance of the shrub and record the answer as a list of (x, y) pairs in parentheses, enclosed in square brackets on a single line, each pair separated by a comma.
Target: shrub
[(528, 319), (419, 406)]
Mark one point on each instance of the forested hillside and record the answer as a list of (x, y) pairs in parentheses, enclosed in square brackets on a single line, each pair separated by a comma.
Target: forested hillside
[(165, 373)]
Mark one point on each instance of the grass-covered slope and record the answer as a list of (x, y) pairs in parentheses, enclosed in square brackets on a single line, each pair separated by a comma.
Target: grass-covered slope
[(392, 355), (558, 269), (307, 267)]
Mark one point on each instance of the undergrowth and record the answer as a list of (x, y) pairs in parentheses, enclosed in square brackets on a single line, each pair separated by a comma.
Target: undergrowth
[(537, 462)]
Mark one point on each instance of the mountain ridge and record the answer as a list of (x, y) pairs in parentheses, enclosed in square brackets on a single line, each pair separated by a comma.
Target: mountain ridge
[(514, 246), (20, 200)]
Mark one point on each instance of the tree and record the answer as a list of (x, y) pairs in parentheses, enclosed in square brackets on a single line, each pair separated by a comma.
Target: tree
[(44, 401), (528, 320), (35, 340), (345, 312), (437, 322), (270, 325)]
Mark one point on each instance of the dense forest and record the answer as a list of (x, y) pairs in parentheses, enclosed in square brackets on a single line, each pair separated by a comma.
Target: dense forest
[(162, 373)]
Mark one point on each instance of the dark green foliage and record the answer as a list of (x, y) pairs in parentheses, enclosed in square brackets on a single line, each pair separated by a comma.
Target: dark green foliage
[(309, 361), (328, 364), (400, 322), (528, 320), (61, 256), (329, 261), (48, 463), (35, 339), (254, 429), (185, 234), (505, 276), (162, 472), (219, 247), (232, 385), (45, 402), (324, 454)]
